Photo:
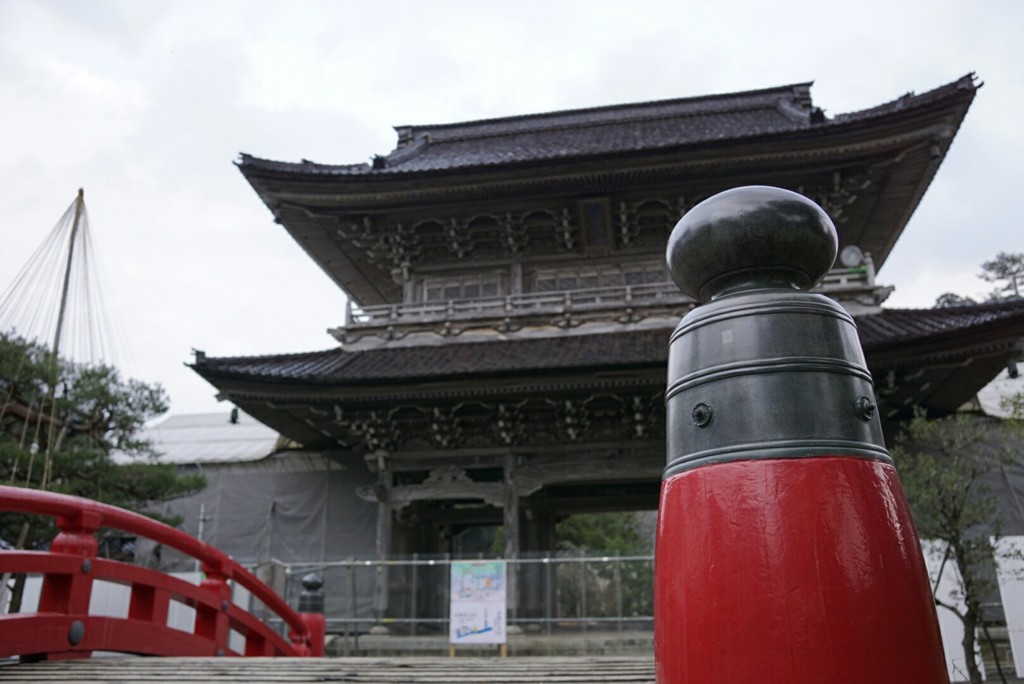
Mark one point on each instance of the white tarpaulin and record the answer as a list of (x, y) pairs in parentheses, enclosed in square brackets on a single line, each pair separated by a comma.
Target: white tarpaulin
[(1011, 590)]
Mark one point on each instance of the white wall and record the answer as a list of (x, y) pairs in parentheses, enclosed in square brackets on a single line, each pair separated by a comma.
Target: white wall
[(1011, 590)]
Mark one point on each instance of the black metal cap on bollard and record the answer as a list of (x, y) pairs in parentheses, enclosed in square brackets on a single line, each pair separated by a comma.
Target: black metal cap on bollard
[(311, 600), (763, 369), (750, 238)]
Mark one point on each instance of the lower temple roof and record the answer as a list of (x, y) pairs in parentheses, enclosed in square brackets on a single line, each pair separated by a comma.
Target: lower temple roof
[(935, 358)]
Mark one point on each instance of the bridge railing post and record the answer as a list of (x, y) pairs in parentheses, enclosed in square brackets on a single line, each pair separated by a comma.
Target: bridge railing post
[(785, 550), (149, 604), (212, 622), (71, 594)]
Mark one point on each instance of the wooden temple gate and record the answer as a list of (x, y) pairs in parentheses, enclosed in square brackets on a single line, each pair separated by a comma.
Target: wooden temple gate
[(504, 354)]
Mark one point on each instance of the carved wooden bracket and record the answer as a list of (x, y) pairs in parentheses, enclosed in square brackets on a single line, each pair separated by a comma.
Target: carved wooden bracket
[(459, 236), (490, 492), (446, 475), (514, 239), (567, 232), (375, 430)]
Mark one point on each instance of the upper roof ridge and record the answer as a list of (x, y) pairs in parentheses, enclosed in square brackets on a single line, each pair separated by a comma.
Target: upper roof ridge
[(611, 129), (797, 93)]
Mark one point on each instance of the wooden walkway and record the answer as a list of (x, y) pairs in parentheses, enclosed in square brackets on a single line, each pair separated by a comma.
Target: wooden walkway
[(464, 670)]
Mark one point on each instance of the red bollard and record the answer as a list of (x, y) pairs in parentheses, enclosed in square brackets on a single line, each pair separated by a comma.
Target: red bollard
[(785, 550)]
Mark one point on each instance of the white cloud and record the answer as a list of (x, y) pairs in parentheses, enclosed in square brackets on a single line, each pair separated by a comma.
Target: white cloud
[(66, 115), (922, 288), (146, 105)]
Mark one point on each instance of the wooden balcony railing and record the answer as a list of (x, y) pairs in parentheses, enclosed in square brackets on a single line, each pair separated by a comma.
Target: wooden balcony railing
[(624, 304)]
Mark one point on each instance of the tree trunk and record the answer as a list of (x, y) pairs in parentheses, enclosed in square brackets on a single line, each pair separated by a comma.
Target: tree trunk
[(995, 655), (969, 644)]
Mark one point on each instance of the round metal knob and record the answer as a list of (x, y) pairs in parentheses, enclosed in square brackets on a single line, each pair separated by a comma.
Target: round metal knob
[(312, 582), (751, 238)]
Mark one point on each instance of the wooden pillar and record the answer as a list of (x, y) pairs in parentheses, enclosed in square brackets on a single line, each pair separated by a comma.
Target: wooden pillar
[(384, 522), (510, 519), (547, 595), (515, 283), (531, 576)]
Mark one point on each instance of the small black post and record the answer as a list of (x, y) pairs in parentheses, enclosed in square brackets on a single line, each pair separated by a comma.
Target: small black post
[(311, 600)]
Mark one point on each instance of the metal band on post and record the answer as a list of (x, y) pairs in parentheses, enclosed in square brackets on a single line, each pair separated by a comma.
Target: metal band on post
[(785, 549)]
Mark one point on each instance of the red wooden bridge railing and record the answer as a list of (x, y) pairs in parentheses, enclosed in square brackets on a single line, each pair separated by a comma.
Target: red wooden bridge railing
[(63, 628)]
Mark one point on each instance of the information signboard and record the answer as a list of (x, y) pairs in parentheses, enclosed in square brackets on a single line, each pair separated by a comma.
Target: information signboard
[(478, 602)]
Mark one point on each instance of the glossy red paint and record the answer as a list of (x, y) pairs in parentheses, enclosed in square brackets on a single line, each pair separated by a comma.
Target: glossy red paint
[(63, 628), (792, 570)]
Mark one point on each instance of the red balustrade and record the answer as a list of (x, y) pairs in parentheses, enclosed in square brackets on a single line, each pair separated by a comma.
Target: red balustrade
[(63, 628)]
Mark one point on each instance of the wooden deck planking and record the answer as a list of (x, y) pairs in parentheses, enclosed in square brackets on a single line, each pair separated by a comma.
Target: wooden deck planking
[(471, 670)]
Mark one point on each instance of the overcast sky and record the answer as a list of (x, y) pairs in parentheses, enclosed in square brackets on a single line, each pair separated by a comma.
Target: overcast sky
[(147, 105)]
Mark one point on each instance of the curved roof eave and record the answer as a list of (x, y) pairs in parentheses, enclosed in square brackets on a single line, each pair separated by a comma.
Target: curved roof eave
[(961, 90)]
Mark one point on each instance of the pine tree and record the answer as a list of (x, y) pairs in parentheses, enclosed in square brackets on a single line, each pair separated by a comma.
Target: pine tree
[(1007, 271), (74, 429)]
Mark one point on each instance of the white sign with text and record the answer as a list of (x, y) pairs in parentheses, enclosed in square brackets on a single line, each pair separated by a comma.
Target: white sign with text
[(478, 602)]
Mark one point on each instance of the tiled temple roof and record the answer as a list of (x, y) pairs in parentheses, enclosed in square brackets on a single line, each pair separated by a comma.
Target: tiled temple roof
[(407, 364), (361, 222), (606, 130), (903, 326), (883, 332)]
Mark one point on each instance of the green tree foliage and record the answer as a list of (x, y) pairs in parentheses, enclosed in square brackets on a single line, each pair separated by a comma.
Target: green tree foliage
[(606, 587), (1007, 271), (1014, 406), (602, 532), (942, 465), (60, 425)]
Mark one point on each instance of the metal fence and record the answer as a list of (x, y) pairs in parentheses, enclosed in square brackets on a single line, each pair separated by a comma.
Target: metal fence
[(548, 594)]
